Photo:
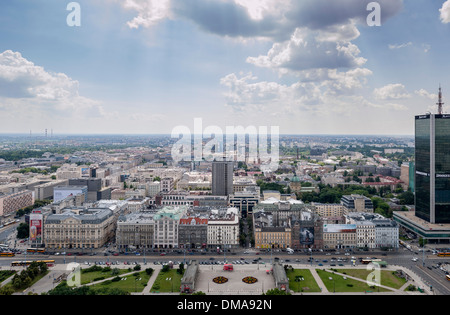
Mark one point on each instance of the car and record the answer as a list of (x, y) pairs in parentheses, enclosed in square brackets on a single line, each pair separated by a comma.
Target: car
[(320, 264), (162, 254), (414, 259)]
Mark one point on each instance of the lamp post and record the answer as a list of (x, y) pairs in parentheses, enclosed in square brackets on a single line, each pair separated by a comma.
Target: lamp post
[(334, 288), (310, 251)]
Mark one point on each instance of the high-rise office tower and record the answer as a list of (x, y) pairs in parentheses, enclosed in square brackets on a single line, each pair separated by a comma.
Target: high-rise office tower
[(432, 175), (222, 178)]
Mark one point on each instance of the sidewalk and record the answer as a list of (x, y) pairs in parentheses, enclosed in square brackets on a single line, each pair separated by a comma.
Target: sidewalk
[(319, 281)]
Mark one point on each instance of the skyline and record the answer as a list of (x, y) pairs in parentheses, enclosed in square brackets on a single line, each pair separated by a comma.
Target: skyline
[(146, 67)]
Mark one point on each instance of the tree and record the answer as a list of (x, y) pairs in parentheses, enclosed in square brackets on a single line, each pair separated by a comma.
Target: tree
[(276, 291), (406, 198), (23, 231), (181, 269)]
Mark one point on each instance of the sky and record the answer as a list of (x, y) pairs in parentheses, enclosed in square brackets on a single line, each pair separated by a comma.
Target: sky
[(150, 66)]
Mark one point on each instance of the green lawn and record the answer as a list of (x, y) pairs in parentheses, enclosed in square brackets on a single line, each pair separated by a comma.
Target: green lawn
[(5, 274), (339, 284), (169, 281), (309, 284), (88, 277), (135, 282), (387, 277)]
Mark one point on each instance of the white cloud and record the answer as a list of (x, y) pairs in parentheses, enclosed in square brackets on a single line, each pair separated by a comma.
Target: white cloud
[(307, 50), (257, 10), (398, 46), (426, 94), (445, 12), (26, 86), (391, 92), (150, 12), (329, 94)]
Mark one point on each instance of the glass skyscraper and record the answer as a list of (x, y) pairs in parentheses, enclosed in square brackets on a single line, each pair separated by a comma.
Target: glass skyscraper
[(432, 171)]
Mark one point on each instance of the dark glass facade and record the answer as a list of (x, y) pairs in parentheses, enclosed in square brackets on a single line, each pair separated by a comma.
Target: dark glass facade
[(422, 177), (427, 127), (442, 184)]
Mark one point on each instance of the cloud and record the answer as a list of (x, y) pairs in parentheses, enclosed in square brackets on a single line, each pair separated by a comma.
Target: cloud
[(150, 12), (317, 14), (391, 92), (426, 94), (275, 19), (26, 86), (311, 50), (246, 93), (398, 46), (445, 12)]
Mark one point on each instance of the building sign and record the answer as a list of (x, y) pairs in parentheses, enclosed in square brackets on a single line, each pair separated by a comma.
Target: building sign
[(307, 236), (339, 228), (36, 227)]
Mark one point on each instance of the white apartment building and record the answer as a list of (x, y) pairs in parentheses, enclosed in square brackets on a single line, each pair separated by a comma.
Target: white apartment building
[(365, 234), (152, 189), (386, 233), (223, 229), (374, 230), (166, 226)]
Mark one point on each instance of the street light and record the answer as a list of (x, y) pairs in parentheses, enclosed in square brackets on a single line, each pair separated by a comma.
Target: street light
[(334, 288)]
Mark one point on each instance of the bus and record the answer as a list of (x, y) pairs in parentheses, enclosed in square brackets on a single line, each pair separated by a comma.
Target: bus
[(228, 267), (50, 263), (368, 261), (444, 254), (7, 254), (36, 250)]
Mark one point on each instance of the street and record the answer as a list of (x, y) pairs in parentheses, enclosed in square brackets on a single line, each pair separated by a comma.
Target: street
[(430, 273)]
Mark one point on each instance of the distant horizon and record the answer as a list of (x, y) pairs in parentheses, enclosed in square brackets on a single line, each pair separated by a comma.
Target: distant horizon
[(169, 135)]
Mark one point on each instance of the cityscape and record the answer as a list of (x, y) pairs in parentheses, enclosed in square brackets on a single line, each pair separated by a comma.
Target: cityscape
[(131, 167)]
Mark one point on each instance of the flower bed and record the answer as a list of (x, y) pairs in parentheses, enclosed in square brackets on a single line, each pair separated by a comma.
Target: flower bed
[(220, 280), (249, 280)]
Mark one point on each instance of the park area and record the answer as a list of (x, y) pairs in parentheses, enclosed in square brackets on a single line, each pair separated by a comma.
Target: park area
[(302, 280), (357, 280), (168, 281)]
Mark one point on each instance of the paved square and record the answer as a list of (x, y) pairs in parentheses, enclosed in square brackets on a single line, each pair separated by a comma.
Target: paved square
[(235, 285)]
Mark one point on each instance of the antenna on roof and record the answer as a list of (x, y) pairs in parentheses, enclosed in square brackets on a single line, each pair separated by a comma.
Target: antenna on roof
[(440, 103)]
